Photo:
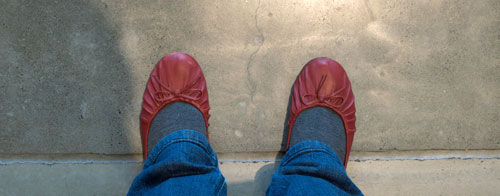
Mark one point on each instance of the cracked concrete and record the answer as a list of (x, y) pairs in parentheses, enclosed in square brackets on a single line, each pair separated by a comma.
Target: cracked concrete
[(425, 74), (252, 86)]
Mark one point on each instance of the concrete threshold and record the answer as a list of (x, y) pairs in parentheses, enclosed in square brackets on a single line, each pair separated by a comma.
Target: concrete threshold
[(248, 157), (436, 172)]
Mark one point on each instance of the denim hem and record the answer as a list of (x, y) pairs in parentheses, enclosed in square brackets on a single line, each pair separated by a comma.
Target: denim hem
[(184, 135), (308, 146), (222, 187)]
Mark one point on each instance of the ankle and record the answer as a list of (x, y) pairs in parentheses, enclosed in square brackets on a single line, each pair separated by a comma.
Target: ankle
[(321, 124)]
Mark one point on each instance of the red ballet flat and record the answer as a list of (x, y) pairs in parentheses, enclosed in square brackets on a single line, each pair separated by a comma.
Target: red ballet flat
[(323, 82), (177, 77)]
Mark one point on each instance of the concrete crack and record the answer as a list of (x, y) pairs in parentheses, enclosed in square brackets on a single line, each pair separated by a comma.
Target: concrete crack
[(370, 11), (71, 162), (252, 86)]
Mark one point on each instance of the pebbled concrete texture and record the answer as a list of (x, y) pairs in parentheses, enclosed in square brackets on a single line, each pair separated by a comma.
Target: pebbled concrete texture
[(67, 179), (65, 86), (425, 74), (252, 175), (437, 177)]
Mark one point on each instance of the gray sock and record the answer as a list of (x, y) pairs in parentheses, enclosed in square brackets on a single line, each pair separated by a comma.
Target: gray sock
[(174, 117), (322, 124)]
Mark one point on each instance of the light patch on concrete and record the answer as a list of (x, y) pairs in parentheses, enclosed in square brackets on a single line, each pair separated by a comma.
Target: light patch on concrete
[(82, 43), (8, 55), (84, 109), (381, 31), (129, 42), (238, 133), (262, 115)]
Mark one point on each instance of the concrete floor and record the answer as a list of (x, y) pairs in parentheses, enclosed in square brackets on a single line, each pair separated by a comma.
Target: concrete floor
[(393, 173), (425, 74)]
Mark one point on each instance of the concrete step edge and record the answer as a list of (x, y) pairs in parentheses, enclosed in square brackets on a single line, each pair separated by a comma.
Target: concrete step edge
[(255, 157)]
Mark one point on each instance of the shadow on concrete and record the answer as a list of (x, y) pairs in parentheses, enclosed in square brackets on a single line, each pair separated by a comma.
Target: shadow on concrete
[(263, 178), (258, 186), (65, 84)]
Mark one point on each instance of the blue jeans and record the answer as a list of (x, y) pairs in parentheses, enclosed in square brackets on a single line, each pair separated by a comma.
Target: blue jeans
[(183, 163)]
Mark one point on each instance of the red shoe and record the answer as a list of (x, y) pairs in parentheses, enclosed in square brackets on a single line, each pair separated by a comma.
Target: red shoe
[(323, 82), (177, 77)]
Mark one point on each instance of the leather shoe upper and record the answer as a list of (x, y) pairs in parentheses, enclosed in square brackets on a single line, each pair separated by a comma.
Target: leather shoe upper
[(177, 77)]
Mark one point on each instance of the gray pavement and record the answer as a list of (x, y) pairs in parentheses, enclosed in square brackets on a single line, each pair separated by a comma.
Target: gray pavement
[(468, 173), (425, 74)]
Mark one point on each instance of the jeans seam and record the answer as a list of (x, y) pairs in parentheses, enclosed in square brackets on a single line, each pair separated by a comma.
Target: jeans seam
[(221, 185), (155, 156), (295, 154)]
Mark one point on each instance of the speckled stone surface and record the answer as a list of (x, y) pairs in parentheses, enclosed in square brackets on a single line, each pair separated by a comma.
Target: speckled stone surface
[(425, 75)]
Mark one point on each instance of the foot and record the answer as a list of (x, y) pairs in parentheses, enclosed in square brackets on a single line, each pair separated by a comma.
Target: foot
[(322, 107), (173, 117), (322, 124), (176, 78)]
